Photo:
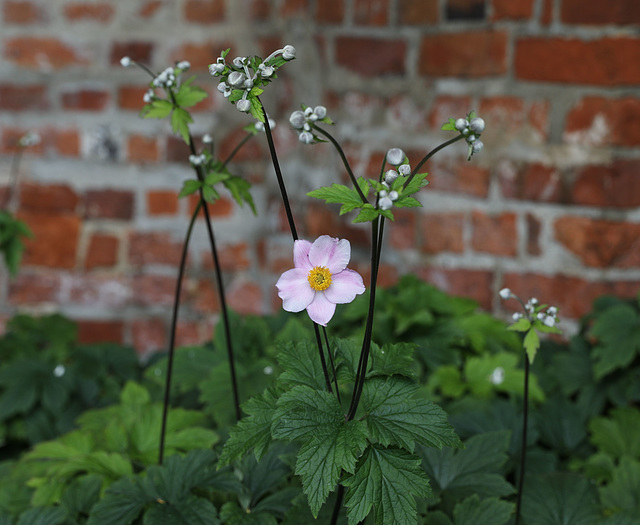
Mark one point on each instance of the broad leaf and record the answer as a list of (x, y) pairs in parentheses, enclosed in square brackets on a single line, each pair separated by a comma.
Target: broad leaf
[(301, 364), (189, 95), (623, 492), (180, 120), (618, 434), (190, 511), (473, 511), (43, 516), (339, 194)]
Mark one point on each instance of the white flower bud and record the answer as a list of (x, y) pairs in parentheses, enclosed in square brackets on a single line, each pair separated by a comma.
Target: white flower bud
[(320, 111), (552, 310), (477, 125), (549, 321), (393, 195), (236, 79), (471, 138), (517, 316), (248, 84), (395, 156), (288, 52), (477, 146), (125, 61), (265, 71), (461, 124), (183, 65), (404, 169), (505, 293), (239, 61), (60, 370), (383, 194), (385, 203), (390, 176), (148, 96), (243, 105), (207, 139), (306, 137), (497, 376), (297, 119)]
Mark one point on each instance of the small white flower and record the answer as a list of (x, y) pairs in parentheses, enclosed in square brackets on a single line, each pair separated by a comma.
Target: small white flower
[(60, 370), (395, 156), (306, 137), (148, 96), (552, 310), (477, 125), (30, 138), (239, 61), (517, 316), (236, 79), (385, 203), (243, 105), (393, 195), (549, 321), (265, 71), (477, 146), (288, 52), (125, 62), (461, 124), (260, 125), (404, 169), (497, 376), (197, 160), (297, 119), (390, 176), (224, 89), (207, 139), (505, 293), (320, 112), (268, 370), (183, 65)]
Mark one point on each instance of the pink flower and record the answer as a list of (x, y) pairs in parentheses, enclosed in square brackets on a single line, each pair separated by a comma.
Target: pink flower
[(320, 279)]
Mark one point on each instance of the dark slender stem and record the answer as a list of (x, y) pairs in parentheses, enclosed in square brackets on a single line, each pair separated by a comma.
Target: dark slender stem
[(237, 148), (431, 154), (333, 366), (322, 359), (172, 335), (344, 160), (338, 505), (523, 453)]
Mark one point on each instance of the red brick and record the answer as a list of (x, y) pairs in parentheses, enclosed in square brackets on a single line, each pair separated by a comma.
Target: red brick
[(495, 234), (130, 97), (620, 12), (547, 12), (50, 198), (465, 9), (245, 298), (98, 290), (140, 51), (508, 116), (91, 332), (598, 121), (418, 12), (177, 150), (34, 288), (446, 106), (293, 7), (223, 207), (11, 142), (531, 182), (204, 11), (233, 257), (602, 62), (249, 152), (150, 8), (96, 12), (15, 12), (371, 57), (533, 234), (162, 202), (616, 185), (41, 53), (402, 232), (149, 335), (512, 9), (20, 97), (154, 248), (204, 297), (199, 55), (259, 10), (55, 239), (142, 149), (85, 100), (475, 284), (324, 220), (329, 12), (472, 54), (66, 142), (371, 12), (458, 176), (109, 204), (600, 243), (153, 290), (189, 333), (102, 251), (442, 232)]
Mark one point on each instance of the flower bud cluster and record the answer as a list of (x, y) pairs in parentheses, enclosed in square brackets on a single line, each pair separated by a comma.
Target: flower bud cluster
[(302, 121), (30, 138), (387, 196), (548, 315), (471, 128), (242, 74)]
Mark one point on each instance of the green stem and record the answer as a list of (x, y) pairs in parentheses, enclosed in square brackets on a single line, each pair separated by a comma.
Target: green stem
[(333, 366)]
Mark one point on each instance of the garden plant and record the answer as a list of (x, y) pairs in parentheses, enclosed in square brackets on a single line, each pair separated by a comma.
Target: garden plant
[(355, 404)]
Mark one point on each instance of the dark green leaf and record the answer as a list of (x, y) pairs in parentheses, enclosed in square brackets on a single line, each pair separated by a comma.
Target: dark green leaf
[(473, 511), (121, 505), (43, 516), (618, 333), (239, 189), (301, 364), (617, 435), (191, 511), (623, 492)]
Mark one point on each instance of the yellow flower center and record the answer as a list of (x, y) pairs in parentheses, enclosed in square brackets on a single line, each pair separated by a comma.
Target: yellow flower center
[(319, 278)]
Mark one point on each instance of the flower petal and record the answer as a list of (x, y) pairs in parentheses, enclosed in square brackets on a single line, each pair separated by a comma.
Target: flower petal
[(321, 310), (344, 287), (330, 253), (294, 290), (301, 255)]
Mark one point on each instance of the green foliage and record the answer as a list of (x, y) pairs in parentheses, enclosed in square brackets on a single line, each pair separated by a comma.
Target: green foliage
[(13, 231)]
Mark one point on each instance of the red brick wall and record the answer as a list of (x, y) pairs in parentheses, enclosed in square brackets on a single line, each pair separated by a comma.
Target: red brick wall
[(551, 207)]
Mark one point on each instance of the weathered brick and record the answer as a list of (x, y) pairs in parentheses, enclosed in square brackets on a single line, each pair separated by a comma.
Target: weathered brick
[(598, 121), (442, 232), (49, 198), (371, 12), (547, 12), (149, 335), (19, 97), (465, 9), (402, 233), (601, 62), (142, 149), (82, 11), (85, 100), (371, 57), (457, 176), (472, 54), (418, 12), (294, 7), (130, 97), (55, 240), (510, 116), (615, 185), (223, 207), (10, 142), (600, 243), (445, 106), (205, 298), (204, 11), (22, 12), (250, 151), (109, 204), (150, 8), (98, 291), (30, 288), (534, 227), (99, 331), (260, 10), (475, 284), (102, 251), (199, 54), (153, 290), (245, 297), (153, 248), (66, 142), (495, 234), (329, 12), (512, 9), (190, 333), (162, 202), (620, 12), (531, 182), (232, 257), (42, 53), (140, 51)]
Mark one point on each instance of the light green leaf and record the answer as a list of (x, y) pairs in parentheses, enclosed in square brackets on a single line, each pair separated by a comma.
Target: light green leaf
[(418, 181), (450, 125), (209, 194), (189, 95), (623, 492), (180, 120), (338, 194), (531, 344), (473, 511), (214, 177), (388, 478), (521, 325), (256, 107), (407, 202), (189, 187), (239, 189), (369, 213), (159, 108), (617, 435)]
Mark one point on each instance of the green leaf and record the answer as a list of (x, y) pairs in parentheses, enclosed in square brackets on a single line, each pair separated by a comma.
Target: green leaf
[(159, 108), (301, 364), (239, 189), (418, 181), (388, 478), (473, 511), (189, 95), (560, 499), (256, 107), (521, 325), (369, 213), (180, 120), (394, 418), (531, 343), (214, 177), (232, 514), (43, 516), (191, 511), (338, 194), (122, 503), (450, 125), (623, 492), (617, 331), (209, 194), (407, 202), (617, 435), (252, 432), (392, 359), (321, 460)]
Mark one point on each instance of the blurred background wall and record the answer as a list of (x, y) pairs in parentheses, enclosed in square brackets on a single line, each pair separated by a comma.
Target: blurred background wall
[(551, 207)]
